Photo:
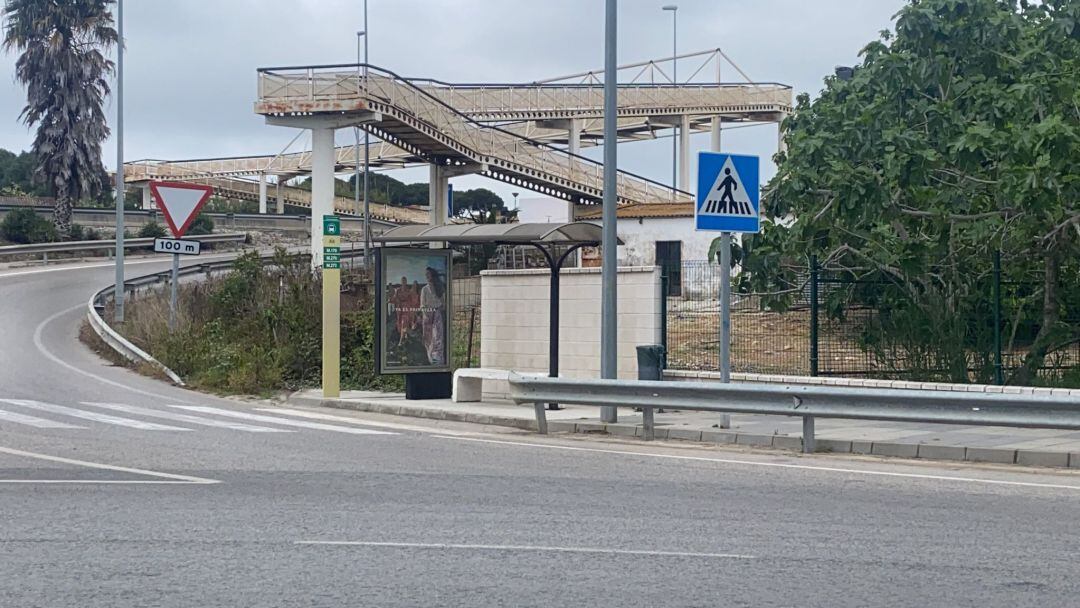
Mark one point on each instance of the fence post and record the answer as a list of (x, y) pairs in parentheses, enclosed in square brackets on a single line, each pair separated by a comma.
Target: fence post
[(663, 316), (813, 315), (999, 371)]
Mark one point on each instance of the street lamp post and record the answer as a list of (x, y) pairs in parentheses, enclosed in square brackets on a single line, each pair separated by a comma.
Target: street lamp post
[(363, 34), (609, 324), (674, 8), (118, 292)]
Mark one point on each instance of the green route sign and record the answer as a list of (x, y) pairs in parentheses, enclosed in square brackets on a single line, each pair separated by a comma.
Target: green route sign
[(331, 225)]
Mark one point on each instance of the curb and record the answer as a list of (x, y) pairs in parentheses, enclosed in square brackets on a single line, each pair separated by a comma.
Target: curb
[(394, 409), (921, 451)]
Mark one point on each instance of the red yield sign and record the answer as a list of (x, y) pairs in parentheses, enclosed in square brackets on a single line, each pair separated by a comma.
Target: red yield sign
[(180, 202)]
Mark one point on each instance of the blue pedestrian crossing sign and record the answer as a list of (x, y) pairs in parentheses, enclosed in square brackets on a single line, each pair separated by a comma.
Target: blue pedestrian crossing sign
[(728, 199)]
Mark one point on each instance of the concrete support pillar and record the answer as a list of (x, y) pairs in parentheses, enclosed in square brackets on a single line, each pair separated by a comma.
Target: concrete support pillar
[(262, 193), (280, 195), (573, 140), (147, 198), (684, 153), (715, 131), (574, 136), (438, 185), (322, 186)]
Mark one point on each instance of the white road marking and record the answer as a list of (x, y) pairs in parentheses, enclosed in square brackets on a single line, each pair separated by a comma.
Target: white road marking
[(83, 267), (62, 267), (778, 465), (330, 417), (532, 548), (176, 478), (93, 416), (41, 423), (40, 345), (281, 421), (224, 424)]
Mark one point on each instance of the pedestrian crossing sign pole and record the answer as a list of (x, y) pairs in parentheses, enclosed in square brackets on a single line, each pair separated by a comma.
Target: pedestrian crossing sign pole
[(331, 313), (728, 200)]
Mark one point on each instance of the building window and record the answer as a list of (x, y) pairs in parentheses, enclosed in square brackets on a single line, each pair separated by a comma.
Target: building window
[(669, 259)]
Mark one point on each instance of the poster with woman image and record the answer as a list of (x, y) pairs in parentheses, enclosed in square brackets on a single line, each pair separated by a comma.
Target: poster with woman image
[(414, 310)]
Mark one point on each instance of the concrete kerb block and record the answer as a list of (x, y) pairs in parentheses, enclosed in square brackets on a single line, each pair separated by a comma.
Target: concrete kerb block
[(621, 429), (561, 426), (1033, 458), (685, 434), (785, 442), (942, 452), (836, 446), (995, 455), (725, 437), (591, 427), (862, 447), (897, 450), (757, 441)]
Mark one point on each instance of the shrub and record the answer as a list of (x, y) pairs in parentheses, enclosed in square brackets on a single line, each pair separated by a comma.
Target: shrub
[(24, 226), (83, 233), (203, 224), (153, 230)]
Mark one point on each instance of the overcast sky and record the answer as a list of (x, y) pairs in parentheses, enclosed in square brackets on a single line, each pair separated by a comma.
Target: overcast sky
[(190, 64)]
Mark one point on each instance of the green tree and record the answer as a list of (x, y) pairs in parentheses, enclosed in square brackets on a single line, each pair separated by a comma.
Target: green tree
[(957, 136), (480, 205), (62, 63)]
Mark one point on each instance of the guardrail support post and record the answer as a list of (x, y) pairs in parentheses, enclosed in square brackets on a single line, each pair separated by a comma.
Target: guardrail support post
[(541, 418), (808, 441), (45, 258), (648, 429)]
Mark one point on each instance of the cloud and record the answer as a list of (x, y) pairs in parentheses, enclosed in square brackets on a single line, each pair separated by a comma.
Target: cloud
[(190, 64)]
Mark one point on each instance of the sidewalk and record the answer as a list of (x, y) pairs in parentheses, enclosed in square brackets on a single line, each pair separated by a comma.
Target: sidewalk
[(1033, 447)]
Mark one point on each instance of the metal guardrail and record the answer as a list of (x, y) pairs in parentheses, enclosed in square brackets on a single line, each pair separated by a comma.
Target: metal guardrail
[(75, 246), (126, 348), (230, 221), (807, 402)]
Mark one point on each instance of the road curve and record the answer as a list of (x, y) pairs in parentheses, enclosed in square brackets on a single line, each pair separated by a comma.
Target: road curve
[(119, 490)]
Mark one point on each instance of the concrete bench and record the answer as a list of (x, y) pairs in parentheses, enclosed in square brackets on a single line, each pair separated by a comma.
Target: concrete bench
[(469, 382)]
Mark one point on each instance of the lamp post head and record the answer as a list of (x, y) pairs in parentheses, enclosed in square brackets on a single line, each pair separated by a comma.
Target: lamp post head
[(360, 33), (670, 7)]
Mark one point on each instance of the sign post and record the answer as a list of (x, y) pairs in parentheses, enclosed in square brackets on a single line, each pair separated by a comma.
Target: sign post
[(331, 312), (179, 203), (727, 201)]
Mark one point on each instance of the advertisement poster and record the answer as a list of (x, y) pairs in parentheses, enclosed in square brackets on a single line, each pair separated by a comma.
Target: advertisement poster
[(414, 310)]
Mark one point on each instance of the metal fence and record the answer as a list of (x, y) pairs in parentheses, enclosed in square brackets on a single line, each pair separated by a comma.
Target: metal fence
[(762, 341), (830, 323)]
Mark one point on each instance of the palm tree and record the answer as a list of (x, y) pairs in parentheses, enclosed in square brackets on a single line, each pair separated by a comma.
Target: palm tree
[(64, 67)]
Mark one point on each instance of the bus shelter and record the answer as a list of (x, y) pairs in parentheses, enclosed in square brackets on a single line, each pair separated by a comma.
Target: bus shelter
[(547, 238)]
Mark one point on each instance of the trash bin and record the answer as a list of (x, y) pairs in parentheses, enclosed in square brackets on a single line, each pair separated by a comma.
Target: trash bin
[(650, 362)]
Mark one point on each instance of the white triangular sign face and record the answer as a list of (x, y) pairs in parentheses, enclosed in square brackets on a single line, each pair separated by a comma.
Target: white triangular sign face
[(180, 203), (728, 196)]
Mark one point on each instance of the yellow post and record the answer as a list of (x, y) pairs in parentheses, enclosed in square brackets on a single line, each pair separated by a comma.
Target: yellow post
[(331, 312)]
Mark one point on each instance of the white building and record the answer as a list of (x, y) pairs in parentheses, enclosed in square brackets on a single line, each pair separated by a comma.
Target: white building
[(657, 234)]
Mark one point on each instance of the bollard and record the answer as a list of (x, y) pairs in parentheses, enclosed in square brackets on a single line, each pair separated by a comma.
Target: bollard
[(650, 360), (808, 442), (541, 418)]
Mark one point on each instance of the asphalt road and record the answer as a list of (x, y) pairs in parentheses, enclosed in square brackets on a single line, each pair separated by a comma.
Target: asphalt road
[(117, 490)]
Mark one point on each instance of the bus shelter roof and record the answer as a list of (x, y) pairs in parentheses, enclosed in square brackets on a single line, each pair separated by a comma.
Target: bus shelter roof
[(573, 233)]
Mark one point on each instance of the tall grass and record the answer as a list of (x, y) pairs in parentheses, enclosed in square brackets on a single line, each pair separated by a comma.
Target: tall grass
[(257, 329)]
